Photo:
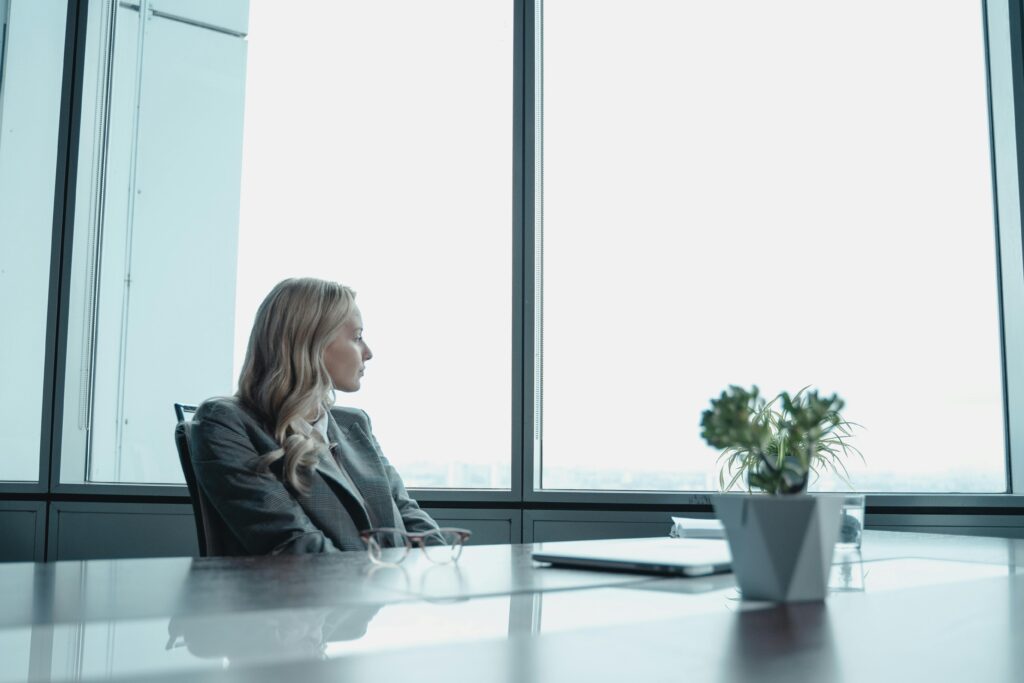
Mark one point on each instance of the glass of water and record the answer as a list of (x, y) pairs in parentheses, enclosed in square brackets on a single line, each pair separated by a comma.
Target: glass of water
[(851, 528)]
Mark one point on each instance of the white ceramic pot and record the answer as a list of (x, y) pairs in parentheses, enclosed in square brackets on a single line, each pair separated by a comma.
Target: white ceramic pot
[(781, 545)]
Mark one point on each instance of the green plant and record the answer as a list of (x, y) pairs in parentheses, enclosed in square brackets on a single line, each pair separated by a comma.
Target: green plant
[(777, 443)]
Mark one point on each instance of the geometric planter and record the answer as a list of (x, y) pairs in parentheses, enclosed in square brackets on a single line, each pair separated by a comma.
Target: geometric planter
[(781, 545)]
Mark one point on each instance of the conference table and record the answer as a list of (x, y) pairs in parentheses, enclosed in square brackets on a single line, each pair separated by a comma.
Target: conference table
[(905, 607)]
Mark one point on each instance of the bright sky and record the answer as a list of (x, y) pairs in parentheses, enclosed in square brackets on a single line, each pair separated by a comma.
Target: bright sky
[(783, 194), (378, 153)]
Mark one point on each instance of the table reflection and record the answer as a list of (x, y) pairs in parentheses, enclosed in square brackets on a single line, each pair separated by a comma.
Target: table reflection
[(132, 619), (848, 573), (774, 642), (261, 636), (431, 582)]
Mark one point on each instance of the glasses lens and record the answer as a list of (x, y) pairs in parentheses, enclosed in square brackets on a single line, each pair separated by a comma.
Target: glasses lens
[(387, 546), (442, 546)]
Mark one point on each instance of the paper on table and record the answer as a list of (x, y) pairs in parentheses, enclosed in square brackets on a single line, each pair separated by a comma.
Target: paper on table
[(688, 527)]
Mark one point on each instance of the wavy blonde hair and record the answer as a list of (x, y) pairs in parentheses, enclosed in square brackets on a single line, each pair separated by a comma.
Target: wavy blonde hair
[(284, 379)]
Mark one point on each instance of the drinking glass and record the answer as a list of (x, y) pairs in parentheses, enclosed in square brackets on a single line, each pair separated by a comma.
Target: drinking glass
[(851, 527)]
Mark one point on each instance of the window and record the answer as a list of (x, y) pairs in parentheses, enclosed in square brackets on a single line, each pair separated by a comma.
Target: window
[(31, 65), (224, 150), (378, 153), (785, 194), (153, 272)]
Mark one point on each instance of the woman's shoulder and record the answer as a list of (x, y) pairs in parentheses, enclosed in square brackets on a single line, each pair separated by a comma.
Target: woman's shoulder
[(223, 408)]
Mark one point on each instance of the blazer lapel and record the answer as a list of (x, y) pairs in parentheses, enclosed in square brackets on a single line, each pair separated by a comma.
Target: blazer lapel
[(330, 471), (362, 463)]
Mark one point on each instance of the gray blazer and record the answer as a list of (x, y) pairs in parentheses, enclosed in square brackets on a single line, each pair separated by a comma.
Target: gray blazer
[(267, 517)]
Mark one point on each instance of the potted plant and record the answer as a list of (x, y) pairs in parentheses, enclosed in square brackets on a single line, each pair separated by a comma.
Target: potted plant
[(782, 542)]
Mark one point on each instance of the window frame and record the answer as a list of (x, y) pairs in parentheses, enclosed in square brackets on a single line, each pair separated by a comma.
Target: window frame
[(1004, 62), (1005, 67)]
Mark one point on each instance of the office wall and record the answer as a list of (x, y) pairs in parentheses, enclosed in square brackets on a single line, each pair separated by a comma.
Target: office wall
[(88, 530), (22, 531), (94, 530), (571, 525), (488, 526)]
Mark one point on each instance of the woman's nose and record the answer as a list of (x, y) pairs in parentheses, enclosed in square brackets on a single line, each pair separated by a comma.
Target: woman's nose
[(367, 353)]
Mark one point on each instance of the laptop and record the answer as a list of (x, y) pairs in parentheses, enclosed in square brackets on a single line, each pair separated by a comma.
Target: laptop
[(662, 556)]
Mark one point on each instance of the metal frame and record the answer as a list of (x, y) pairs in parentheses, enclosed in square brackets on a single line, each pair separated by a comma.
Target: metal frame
[(64, 220), (74, 70), (5, 11), (1004, 44), (531, 465), (1005, 63)]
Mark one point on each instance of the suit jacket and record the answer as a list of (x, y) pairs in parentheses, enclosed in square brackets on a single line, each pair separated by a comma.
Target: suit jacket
[(264, 516)]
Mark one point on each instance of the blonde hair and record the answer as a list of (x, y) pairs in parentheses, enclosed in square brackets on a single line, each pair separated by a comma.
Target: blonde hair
[(284, 378)]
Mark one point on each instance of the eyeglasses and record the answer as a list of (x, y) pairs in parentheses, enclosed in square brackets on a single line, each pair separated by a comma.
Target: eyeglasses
[(390, 546)]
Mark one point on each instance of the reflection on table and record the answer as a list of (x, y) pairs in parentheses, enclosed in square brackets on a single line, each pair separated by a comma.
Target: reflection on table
[(503, 617)]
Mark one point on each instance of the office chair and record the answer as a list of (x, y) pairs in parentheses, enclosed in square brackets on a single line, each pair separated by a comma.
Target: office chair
[(213, 534), (182, 439)]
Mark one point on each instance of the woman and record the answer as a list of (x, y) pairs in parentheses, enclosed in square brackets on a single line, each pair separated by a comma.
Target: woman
[(284, 470)]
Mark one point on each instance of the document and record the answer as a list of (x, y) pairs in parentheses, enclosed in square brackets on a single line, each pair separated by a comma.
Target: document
[(688, 527)]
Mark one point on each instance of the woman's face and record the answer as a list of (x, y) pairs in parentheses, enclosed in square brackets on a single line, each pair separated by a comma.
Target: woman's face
[(346, 354)]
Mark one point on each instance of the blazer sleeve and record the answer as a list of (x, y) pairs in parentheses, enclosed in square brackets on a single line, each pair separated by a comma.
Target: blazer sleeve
[(257, 507), (416, 520)]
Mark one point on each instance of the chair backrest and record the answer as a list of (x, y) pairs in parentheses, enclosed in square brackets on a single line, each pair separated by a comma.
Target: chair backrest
[(184, 412), (183, 440), (213, 533)]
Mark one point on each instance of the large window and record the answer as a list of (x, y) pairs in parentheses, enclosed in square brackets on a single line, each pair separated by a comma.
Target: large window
[(153, 271), (31, 65), (378, 153), (226, 147), (783, 194), (786, 194)]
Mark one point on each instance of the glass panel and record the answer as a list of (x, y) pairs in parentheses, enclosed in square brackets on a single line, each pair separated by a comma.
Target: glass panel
[(151, 313), (31, 68), (746, 195), (375, 153), (378, 154)]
